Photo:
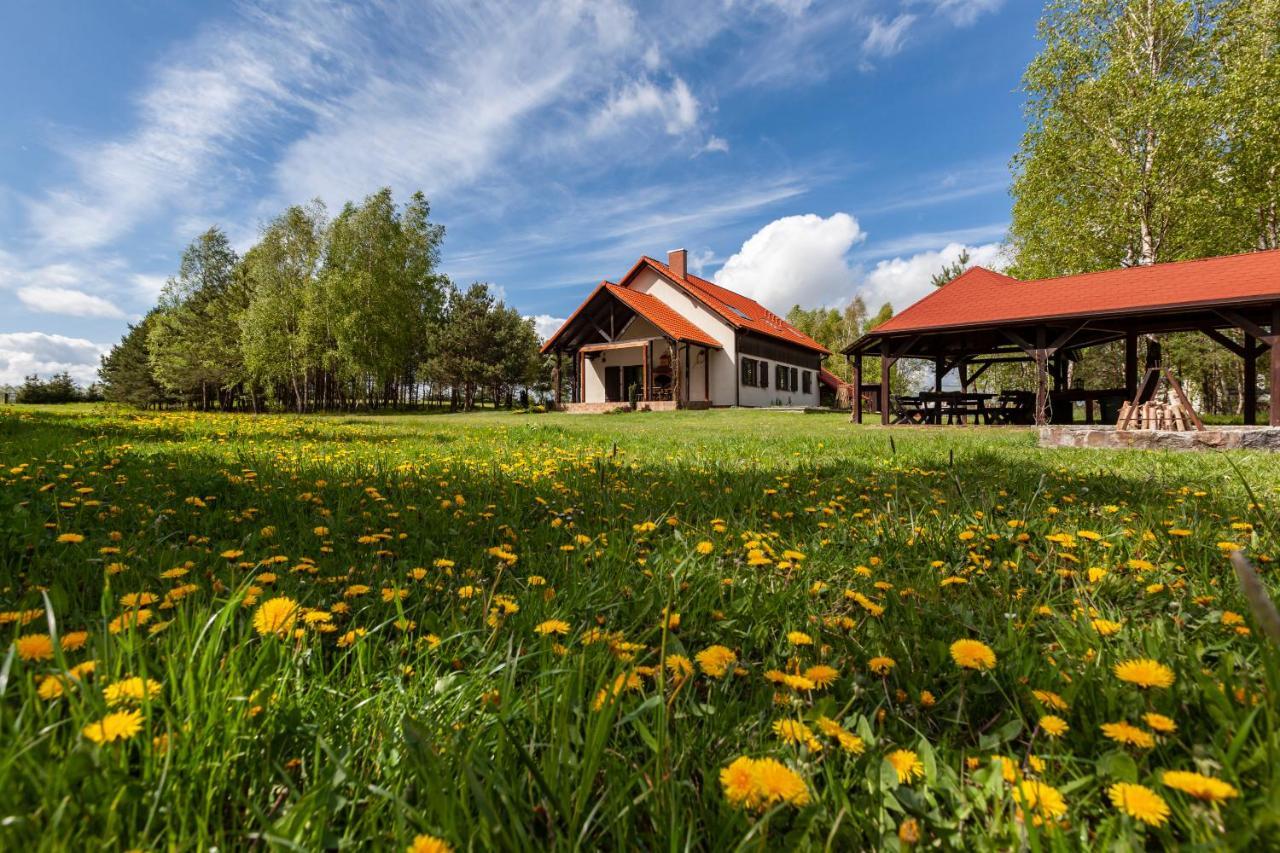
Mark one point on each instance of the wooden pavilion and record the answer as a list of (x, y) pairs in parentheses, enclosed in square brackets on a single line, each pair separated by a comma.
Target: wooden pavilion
[(983, 318)]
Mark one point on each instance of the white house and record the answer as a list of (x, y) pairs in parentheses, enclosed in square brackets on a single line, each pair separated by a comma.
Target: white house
[(675, 340)]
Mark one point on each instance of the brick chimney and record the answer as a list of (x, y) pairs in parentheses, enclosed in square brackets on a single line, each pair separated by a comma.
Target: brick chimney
[(678, 260)]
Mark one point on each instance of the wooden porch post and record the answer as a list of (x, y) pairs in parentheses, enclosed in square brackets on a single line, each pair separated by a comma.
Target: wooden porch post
[(937, 373), (1250, 391), (1042, 378), (964, 376), (1130, 363), (856, 402), (706, 374), (688, 388), (1275, 366), (885, 369)]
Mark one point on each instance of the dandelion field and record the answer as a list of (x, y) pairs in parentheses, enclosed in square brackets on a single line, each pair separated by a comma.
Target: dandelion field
[(711, 630)]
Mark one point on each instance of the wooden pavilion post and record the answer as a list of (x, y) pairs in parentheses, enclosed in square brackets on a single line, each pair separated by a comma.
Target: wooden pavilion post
[(1249, 395), (1275, 366), (1042, 378), (937, 373), (1130, 363), (856, 403), (885, 369)]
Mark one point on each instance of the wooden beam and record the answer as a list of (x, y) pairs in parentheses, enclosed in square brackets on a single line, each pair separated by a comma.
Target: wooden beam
[(1215, 335), (938, 369), (985, 366), (1245, 324), (886, 364)]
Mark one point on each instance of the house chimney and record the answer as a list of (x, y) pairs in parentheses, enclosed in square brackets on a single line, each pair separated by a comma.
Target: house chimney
[(678, 260)]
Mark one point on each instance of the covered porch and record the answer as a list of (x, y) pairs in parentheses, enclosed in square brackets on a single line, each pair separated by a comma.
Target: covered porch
[(623, 347)]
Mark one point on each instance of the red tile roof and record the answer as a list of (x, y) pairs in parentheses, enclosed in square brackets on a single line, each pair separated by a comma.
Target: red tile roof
[(662, 315), (981, 297), (653, 309), (829, 379), (739, 311)]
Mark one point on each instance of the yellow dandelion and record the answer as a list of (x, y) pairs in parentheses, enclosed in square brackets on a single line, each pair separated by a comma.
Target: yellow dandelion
[(1140, 802), (881, 665), (1198, 785), (73, 641), (792, 731), (1043, 801), (822, 675), (1144, 673), (1160, 723), (552, 626), (1128, 734), (131, 690), (429, 844), (799, 638), (777, 783), (1053, 726), (704, 547), (35, 647), (716, 661), (972, 654), (738, 780), (906, 764), (275, 616), (71, 538), (1050, 699), (120, 725)]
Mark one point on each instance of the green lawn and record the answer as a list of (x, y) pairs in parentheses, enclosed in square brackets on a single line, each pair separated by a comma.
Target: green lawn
[(543, 631)]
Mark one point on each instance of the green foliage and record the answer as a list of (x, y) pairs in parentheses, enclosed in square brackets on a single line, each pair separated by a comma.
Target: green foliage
[(323, 314), (1152, 137), (951, 271), (126, 370), (59, 388)]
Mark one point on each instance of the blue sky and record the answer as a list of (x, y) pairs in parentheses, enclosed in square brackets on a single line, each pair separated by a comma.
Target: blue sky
[(803, 151)]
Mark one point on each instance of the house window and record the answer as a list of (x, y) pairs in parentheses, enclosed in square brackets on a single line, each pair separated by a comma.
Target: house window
[(780, 377), (808, 382), (795, 379), (749, 372)]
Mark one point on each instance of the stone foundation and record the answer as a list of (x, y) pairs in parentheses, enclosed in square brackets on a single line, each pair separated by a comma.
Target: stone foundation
[(1211, 438), (642, 405)]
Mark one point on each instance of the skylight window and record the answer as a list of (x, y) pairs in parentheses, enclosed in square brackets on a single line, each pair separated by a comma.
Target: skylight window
[(739, 312)]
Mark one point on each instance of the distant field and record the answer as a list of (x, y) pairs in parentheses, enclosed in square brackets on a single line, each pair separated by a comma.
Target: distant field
[(708, 630)]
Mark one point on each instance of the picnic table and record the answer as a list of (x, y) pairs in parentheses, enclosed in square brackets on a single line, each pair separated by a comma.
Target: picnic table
[(956, 406)]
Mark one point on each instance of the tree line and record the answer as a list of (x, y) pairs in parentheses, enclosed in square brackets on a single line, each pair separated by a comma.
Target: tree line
[(326, 314)]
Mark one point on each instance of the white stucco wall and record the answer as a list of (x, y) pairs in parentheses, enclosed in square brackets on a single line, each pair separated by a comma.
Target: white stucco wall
[(594, 374), (771, 396)]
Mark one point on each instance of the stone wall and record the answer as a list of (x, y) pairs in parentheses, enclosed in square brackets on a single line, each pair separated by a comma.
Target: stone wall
[(1211, 438)]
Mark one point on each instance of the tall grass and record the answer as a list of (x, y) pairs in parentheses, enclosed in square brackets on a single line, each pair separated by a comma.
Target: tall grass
[(442, 711)]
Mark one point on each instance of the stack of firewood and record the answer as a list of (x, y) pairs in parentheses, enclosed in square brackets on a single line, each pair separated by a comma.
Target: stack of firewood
[(1153, 415)]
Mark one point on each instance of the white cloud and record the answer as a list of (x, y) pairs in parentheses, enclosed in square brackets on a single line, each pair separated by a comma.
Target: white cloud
[(964, 12), (675, 107), (545, 325), (64, 300), (700, 259), (25, 353), (795, 260), (805, 260), (885, 38), (901, 281), (715, 143)]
